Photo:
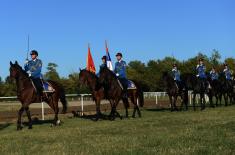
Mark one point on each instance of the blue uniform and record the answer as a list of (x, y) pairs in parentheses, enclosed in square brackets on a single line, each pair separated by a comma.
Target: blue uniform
[(214, 75), (176, 74), (228, 74), (34, 68), (201, 71), (101, 67), (120, 69)]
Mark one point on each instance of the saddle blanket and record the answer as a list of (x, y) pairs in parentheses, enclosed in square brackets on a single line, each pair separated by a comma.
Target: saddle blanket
[(131, 85), (47, 88)]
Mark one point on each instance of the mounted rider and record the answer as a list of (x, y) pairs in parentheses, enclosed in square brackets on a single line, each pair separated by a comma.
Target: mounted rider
[(33, 68), (120, 71), (201, 69), (201, 73), (227, 72), (176, 76), (103, 65), (213, 74)]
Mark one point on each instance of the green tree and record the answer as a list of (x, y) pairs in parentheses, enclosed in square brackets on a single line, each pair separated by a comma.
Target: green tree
[(215, 58), (52, 73)]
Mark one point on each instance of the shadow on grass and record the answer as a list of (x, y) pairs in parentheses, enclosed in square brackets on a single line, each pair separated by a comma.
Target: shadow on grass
[(78, 114), (4, 126)]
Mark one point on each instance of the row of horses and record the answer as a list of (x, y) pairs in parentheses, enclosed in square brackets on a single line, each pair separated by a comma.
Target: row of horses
[(218, 89), (106, 86)]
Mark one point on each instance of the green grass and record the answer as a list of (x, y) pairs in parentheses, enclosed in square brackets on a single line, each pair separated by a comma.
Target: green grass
[(157, 132)]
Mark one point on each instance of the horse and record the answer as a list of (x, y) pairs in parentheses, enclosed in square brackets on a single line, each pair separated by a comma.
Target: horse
[(91, 80), (114, 91), (198, 86), (214, 90), (27, 95), (226, 89), (173, 90)]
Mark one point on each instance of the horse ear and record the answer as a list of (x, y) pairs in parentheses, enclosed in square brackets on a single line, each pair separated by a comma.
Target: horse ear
[(11, 63), (16, 62), (80, 69)]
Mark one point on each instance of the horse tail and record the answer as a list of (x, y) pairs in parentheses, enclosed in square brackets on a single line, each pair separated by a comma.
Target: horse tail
[(186, 97), (140, 94), (141, 98), (61, 96), (63, 100)]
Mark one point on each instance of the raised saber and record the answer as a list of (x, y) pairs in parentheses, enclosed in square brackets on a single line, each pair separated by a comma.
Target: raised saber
[(27, 57)]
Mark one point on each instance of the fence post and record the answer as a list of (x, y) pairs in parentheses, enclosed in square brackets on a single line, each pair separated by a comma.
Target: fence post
[(190, 98), (82, 103), (156, 98), (43, 111)]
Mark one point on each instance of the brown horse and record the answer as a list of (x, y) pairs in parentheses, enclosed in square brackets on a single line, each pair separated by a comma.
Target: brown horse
[(115, 92), (90, 80), (27, 94)]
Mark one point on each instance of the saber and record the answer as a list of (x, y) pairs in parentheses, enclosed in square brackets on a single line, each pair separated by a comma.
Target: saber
[(27, 57)]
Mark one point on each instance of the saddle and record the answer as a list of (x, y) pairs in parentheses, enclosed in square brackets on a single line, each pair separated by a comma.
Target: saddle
[(47, 87), (131, 85)]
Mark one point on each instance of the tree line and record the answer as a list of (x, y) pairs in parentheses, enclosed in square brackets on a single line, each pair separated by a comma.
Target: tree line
[(148, 74)]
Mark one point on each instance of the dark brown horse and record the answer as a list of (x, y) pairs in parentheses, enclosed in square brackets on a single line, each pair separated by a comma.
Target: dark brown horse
[(27, 94), (115, 92), (90, 80), (173, 90)]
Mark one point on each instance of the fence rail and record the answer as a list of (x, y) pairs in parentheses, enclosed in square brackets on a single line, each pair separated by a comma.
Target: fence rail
[(156, 95)]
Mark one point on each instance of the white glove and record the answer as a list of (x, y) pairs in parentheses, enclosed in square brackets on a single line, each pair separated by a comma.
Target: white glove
[(26, 62), (29, 73), (197, 75), (117, 74)]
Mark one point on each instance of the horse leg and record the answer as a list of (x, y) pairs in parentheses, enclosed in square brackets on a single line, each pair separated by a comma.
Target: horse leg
[(19, 125), (194, 98), (126, 105), (98, 113), (29, 117), (116, 112), (202, 100), (226, 99), (170, 98), (174, 102)]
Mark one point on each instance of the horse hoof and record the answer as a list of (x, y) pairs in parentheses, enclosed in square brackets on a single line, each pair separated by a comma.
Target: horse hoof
[(121, 118), (19, 128), (30, 127), (58, 122), (133, 116)]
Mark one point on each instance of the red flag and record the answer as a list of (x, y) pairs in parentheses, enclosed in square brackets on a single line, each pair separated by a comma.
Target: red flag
[(90, 63)]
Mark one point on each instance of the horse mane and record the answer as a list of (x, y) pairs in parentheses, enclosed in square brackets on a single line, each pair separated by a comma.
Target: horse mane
[(93, 75), (21, 70), (109, 71)]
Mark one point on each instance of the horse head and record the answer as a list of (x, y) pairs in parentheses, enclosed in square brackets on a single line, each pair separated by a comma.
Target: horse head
[(15, 69), (87, 78)]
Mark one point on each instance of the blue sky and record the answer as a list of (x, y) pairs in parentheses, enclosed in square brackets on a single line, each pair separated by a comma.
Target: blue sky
[(141, 29)]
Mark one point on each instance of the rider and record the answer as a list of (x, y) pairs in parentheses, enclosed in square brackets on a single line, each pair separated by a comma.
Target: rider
[(176, 75), (34, 68), (201, 69), (120, 71), (103, 65), (213, 74), (227, 72)]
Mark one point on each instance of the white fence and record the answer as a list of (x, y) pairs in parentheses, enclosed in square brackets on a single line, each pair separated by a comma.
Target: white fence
[(155, 95)]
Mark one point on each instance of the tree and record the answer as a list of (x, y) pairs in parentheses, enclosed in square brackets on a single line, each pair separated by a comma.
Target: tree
[(215, 58), (51, 73)]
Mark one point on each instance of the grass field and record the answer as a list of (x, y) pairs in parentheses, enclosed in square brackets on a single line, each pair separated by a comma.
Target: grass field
[(157, 132)]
